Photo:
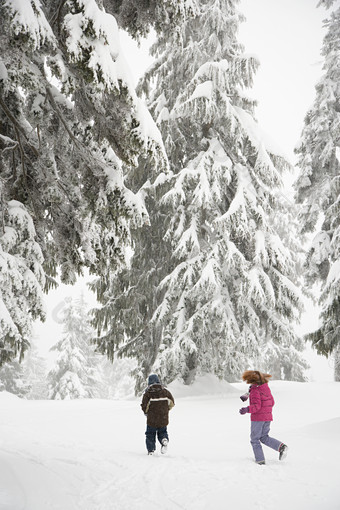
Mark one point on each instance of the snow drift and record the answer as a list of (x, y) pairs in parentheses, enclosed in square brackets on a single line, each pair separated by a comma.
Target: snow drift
[(90, 454)]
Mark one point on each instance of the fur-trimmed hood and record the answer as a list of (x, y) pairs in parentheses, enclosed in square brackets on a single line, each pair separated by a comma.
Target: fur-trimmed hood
[(255, 377)]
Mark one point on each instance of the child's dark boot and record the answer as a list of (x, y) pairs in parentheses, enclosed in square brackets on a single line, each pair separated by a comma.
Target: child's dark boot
[(283, 450)]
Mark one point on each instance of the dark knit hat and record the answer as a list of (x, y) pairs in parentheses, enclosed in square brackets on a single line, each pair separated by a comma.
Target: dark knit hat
[(153, 379)]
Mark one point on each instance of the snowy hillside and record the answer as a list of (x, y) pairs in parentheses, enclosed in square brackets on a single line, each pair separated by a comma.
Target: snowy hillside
[(90, 454)]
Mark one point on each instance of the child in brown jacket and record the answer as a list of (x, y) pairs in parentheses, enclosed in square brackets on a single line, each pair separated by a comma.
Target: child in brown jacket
[(156, 403)]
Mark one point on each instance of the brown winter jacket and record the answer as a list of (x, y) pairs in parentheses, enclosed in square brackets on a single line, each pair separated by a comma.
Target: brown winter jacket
[(156, 403)]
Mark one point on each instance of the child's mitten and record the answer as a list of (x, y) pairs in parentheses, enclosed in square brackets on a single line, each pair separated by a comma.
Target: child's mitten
[(244, 397), (244, 410)]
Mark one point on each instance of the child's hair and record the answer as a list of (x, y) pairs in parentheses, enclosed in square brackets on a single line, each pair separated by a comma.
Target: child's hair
[(255, 377)]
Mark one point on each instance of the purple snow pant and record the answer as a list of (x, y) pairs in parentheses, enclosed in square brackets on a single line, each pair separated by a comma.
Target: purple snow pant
[(259, 434)]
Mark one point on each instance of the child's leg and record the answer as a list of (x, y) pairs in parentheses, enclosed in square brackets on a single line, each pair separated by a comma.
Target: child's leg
[(162, 433), (150, 438), (267, 440), (255, 435), (163, 438)]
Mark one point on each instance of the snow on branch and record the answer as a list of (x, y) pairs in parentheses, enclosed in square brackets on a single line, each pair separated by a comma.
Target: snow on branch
[(28, 18), (189, 240), (92, 34), (255, 133)]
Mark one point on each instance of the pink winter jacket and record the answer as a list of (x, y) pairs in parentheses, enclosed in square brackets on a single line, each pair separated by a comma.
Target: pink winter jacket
[(261, 402)]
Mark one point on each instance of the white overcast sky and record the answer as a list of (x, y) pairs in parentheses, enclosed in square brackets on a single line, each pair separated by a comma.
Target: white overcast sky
[(286, 36)]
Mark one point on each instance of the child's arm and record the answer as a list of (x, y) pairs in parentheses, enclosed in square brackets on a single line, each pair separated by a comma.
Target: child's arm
[(171, 400), (145, 403), (245, 396), (255, 403)]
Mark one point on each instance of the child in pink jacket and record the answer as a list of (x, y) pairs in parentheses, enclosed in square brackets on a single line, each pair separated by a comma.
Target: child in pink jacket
[(261, 402)]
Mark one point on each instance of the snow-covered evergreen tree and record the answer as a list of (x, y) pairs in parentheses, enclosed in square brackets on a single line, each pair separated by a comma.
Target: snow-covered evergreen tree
[(278, 358), (74, 374), (35, 372), (115, 378), (211, 280), (13, 379), (71, 126), (318, 185)]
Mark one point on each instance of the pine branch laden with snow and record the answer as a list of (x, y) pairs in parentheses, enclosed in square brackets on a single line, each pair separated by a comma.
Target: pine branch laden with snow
[(211, 279), (327, 3), (318, 185), (29, 23), (162, 15), (92, 40), (21, 281), (72, 127), (93, 47)]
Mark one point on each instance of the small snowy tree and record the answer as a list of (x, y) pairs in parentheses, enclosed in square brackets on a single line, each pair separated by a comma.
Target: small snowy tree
[(318, 186), (35, 372), (116, 379), (211, 280), (74, 374), (13, 379)]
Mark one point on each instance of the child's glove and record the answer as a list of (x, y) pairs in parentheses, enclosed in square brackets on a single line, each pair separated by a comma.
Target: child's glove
[(244, 410), (244, 397)]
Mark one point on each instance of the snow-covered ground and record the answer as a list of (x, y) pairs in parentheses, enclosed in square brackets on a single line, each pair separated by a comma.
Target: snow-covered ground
[(90, 454)]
